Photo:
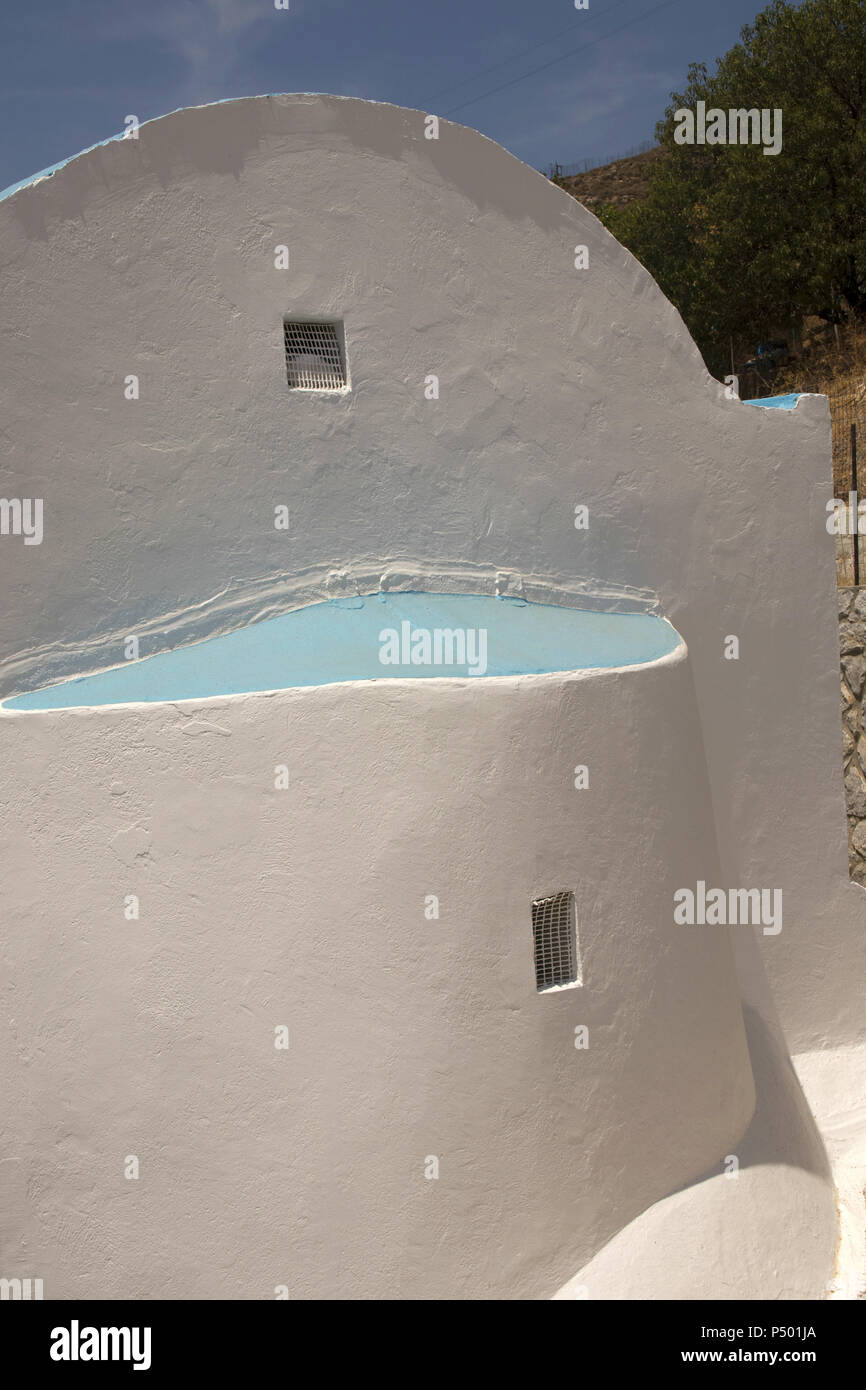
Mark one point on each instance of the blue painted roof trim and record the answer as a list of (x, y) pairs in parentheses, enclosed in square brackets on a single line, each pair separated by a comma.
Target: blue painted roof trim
[(122, 135), (778, 402), (52, 168)]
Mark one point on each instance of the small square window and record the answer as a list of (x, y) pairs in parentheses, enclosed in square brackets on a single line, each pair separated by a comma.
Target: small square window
[(315, 356), (554, 935)]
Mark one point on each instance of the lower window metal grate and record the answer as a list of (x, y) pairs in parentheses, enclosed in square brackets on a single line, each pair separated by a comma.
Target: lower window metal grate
[(314, 356), (554, 935)]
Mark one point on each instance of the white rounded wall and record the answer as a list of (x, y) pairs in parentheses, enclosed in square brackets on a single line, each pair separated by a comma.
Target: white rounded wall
[(558, 387), (411, 1037)]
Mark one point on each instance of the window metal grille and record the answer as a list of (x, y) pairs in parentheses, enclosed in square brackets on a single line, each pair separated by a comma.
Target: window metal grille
[(554, 935), (314, 356)]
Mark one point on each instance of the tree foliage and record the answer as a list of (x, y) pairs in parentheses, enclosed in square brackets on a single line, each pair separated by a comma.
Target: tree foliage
[(746, 244)]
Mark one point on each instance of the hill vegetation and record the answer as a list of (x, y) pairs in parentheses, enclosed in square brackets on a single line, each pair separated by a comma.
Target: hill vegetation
[(751, 246)]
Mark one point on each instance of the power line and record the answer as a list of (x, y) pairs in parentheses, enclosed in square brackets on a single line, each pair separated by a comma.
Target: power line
[(561, 59), (569, 29)]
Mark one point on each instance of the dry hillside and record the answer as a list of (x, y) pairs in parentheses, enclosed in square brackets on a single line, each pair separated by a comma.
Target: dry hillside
[(624, 181)]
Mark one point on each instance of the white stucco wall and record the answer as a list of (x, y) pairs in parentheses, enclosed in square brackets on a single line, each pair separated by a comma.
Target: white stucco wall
[(156, 257), (558, 386), (409, 1037)]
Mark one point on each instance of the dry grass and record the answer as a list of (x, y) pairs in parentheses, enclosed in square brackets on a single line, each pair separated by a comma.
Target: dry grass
[(618, 184), (826, 364)]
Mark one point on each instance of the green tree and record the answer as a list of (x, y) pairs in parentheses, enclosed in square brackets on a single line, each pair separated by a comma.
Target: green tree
[(747, 244)]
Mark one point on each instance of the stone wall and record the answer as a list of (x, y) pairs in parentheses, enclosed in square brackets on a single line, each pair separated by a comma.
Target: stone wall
[(852, 645)]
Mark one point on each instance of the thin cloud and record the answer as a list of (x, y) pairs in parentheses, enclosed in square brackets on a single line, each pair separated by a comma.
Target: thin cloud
[(206, 38)]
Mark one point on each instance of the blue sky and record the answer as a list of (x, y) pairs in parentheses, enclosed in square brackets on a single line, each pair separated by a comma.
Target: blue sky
[(74, 71)]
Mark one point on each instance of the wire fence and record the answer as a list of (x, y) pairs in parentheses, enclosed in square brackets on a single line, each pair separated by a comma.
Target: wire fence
[(848, 419), (585, 166)]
